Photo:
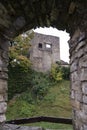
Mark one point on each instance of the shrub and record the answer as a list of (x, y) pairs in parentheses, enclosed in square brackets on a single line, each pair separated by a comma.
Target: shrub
[(66, 73), (40, 85), (56, 72), (20, 109), (18, 81)]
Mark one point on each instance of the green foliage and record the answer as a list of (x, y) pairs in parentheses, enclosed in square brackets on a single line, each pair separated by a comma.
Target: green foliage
[(36, 84), (18, 81), (40, 85), (20, 109), (55, 103), (59, 72), (56, 73), (66, 73), (18, 52), (19, 65)]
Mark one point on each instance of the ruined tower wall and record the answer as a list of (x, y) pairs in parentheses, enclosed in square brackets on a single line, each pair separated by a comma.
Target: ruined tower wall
[(44, 52)]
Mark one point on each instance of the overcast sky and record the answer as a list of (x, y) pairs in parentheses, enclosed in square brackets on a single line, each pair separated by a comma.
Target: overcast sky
[(64, 37)]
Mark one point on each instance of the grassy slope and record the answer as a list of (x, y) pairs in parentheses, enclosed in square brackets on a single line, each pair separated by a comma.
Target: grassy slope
[(56, 103)]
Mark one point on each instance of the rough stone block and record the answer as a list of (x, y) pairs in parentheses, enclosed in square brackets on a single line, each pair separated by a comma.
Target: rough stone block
[(72, 94), (82, 117), (78, 96), (75, 104), (85, 127), (17, 127), (80, 53), (74, 76), (83, 75), (73, 57), (83, 62), (3, 75), (85, 99), (84, 108), (76, 85), (80, 45), (3, 86), (85, 48), (3, 107), (74, 66), (84, 87), (2, 118), (3, 97)]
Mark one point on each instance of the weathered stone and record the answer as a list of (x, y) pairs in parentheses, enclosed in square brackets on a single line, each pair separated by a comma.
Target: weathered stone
[(83, 62), (74, 66), (72, 94), (84, 87), (79, 85), (3, 97), (82, 117), (78, 96), (80, 53), (83, 75), (2, 118), (73, 57), (85, 127), (76, 85), (80, 45), (75, 104), (85, 48), (84, 109), (3, 86), (17, 127), (74, 76), (3, 107), (85, 99), (3, 77)]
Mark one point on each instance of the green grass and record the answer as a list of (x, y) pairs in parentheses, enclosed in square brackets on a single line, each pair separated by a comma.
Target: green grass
[(53, 126), (56, 103)]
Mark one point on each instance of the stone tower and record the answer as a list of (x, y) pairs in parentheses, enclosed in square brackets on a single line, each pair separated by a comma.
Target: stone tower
[(44, 52)]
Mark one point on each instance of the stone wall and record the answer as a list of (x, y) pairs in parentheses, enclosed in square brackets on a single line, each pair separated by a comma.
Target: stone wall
[(3, 77), (45, 51), (78, 68), (17, 127)]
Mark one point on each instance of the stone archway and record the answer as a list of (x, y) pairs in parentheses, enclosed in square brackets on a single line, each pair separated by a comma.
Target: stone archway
[(70, 15)]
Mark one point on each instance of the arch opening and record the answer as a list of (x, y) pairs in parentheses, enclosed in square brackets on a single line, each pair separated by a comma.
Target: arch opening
[(50, 98), (67, 15)]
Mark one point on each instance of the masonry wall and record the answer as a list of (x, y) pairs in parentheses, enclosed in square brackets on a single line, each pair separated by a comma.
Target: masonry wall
[(78, 68), (4, 44), (45, 51)]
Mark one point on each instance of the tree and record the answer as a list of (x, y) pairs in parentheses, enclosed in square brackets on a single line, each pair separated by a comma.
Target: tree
[(19, 65), (18, 52)]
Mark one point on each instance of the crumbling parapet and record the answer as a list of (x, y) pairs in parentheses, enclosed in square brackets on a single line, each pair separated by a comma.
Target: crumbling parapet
[(3, 77), (78, 69)]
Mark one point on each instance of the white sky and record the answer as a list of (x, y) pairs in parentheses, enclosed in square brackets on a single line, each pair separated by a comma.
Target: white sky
[(64, 37)]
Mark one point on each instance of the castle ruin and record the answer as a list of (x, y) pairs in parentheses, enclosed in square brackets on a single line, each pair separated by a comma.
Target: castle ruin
[(44, 52)]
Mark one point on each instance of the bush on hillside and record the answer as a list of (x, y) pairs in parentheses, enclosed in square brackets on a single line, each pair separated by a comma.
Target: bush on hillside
[(56, 73), (66, 73)]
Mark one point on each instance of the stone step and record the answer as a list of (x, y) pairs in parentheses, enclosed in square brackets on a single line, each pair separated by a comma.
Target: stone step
[(17, 127)]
